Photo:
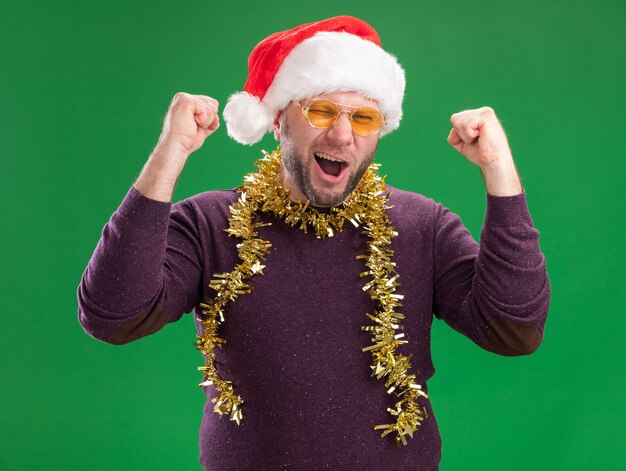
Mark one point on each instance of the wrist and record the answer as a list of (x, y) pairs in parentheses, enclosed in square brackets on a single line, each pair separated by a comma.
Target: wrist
[(172, 149), (501, 178), (159, 175)]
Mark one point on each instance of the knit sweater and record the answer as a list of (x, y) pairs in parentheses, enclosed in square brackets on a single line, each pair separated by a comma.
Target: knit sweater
[(294, 344)]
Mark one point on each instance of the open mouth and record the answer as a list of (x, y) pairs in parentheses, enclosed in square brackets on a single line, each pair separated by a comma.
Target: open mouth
[(329, 164)]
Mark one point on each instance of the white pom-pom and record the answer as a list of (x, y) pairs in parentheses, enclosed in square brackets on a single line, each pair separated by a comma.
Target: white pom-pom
[(247, 119)]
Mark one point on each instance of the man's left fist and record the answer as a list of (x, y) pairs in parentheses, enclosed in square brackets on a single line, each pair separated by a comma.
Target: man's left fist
[(479, 136)]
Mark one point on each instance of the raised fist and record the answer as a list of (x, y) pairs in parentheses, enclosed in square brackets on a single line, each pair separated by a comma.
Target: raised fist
[(479, 136), (190, 119)]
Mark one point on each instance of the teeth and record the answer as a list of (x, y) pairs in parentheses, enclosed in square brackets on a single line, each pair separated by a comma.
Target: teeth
[(328, 157)]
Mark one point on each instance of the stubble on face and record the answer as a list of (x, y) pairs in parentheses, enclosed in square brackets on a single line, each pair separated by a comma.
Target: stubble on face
[(298, 167)]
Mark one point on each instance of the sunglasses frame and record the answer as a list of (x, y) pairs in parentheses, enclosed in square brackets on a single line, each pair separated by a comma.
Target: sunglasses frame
[(306, 104)]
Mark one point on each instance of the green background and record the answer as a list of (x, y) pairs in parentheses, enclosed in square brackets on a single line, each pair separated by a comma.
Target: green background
[(84, 88)]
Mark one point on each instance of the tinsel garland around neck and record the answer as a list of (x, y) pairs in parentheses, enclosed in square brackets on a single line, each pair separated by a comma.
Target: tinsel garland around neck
[(262, 192)]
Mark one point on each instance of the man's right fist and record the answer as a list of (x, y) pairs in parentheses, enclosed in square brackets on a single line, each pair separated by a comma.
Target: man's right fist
[(189, 121)]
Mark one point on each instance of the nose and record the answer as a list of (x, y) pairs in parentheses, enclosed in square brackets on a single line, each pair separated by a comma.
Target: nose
[(340, 132)]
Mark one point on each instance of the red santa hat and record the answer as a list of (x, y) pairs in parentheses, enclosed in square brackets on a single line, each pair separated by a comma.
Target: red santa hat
[(340, 54)]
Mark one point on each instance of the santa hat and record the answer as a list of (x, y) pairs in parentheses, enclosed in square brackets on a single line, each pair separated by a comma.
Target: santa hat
[(340, 54)]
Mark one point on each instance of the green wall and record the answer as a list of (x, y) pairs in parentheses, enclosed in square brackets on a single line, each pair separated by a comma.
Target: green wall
[(84, 87)]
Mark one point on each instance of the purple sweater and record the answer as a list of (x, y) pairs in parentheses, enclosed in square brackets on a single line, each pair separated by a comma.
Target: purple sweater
[(294, 344)]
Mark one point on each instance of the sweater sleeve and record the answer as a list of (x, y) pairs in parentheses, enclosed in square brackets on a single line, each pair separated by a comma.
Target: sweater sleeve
[(145, 271), (496, 293)]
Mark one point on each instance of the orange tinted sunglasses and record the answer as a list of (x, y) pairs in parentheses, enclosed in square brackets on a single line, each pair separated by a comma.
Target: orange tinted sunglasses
[(322, 112)]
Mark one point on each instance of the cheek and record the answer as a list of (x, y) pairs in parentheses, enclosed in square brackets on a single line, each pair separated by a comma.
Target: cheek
[(369, 150), (296, 143)]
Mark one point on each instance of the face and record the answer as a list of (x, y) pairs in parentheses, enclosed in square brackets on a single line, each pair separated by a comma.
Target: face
[(310, 169)]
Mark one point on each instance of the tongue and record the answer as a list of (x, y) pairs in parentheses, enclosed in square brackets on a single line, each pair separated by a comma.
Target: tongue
[(329, 167)]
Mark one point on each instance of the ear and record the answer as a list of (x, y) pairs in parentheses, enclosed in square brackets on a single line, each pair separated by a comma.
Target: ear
[(277, 125)]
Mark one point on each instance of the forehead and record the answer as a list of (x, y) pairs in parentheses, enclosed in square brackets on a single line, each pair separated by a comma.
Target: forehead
[(348, 98)]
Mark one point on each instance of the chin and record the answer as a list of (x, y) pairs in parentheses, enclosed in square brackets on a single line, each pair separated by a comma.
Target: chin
[(326, 203), (326, 200)]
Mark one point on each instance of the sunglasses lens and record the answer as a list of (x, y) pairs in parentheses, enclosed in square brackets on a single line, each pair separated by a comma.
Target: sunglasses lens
[(366, 121), (322, 113)]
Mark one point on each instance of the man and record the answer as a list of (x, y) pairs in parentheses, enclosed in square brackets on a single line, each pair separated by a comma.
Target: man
[(323, 327)]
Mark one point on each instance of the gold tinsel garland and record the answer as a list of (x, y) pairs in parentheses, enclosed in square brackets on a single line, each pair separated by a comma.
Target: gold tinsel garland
[(262, 192)]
